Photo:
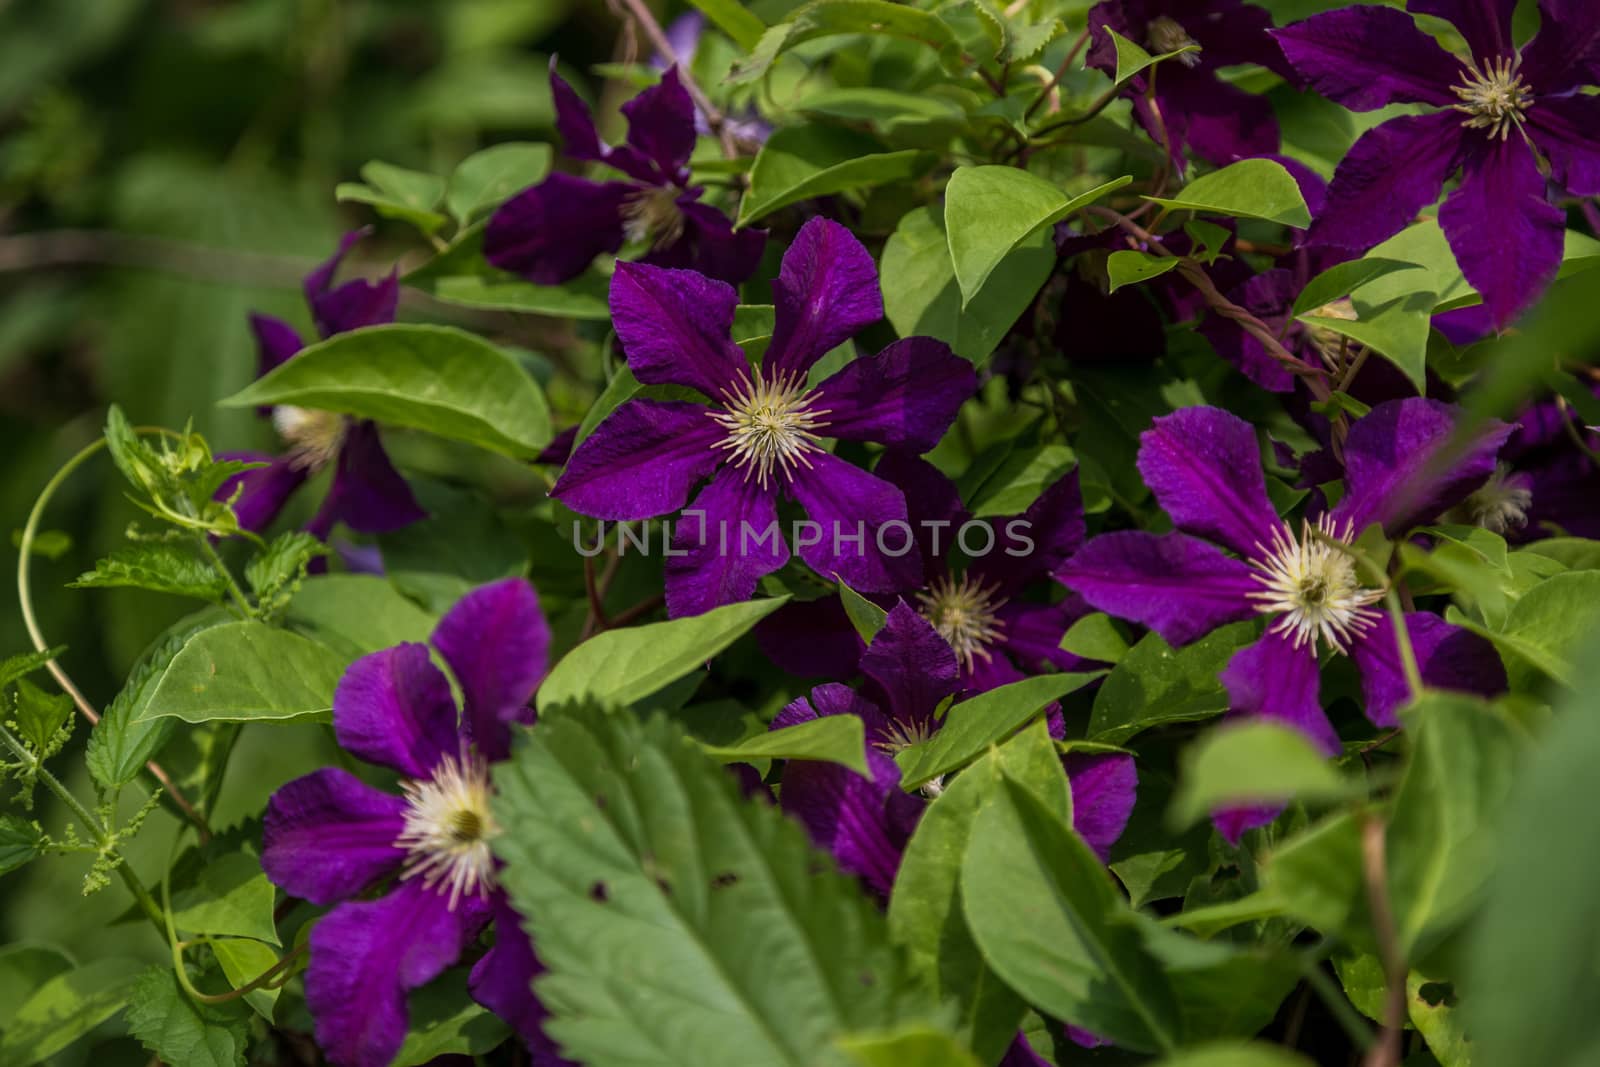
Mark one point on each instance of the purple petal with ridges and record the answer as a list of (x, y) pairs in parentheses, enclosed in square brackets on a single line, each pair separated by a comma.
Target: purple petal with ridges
[(1272, 679), (1567, 131), (367, 494), (1036, 542), (710, 245), (574, 123), (674, 326), (1365, 57), (1448, 657), (394, 708), (1104, 788), (933, 506), (276, 342), (1389, 175), (832, 698), (1204, 467), (1216, 121), (859, 820), (905, 396), (354, 304), (1179, 586), (497, 643), (911, 665), (642, 461), (265, 489), (328, 835), (502, 980), (719, 555), (661, 124), (825, 293), (1565, 54), (1506, 236), (847, 503), (549, 233), (1485, 24), (1032, 634), (365, 958)]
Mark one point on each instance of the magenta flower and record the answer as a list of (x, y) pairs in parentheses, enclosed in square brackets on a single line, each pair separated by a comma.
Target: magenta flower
[(367, 493), (1198, 111), (763, 434), (1204, 468), (330, 838), (551, 232), (1511, 122)]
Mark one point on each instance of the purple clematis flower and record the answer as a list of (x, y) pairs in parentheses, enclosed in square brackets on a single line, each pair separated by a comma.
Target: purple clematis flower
[(865, 822), (1510, 121), (551, 232), (763, 434), (1198, 110), (684, 34), (1204, 467), (329, 837), (367, 493)]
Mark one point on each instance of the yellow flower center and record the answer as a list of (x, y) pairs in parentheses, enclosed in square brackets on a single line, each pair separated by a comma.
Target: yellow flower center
[(651, 216), (1313, 585), (447, 829), (964, 614), (313, 437), (1494, 97), (771, 424)]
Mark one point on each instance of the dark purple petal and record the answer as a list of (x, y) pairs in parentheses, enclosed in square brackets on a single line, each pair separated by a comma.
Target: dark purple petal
[(1367, 56), (1269, 296), (1391, 474), (1506, 236), (674, 327), (1232, 823), (1032, 634), (905, 396), (1231, 33), (574, 123), (502, 980), (366, 956), (367, 493), (1216, 121), (1485, 24), (329, 835), (497, 644), (933, 506), (394, 708), (857, 819), (721, 553), (911, 665), (1021, 1054), (1567, 131), (1104, 788), (990, 672), (1179, 586), (1112, 14), (276, 342), (549, 233), (661, 124), (354, 304), (642, 461), (1565, 55), (1204, 467), (1447, 656), (559, 450), (1038, 541), (710, 245), (831, 698), (1272, 679), (1392, 172), (263, 491), (849, 509), (826, 292), (812, 639), (1564, 488)]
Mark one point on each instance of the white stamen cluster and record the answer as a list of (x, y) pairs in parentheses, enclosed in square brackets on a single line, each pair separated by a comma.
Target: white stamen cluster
[(771, 424), (1166, 34), (1313, 585), (903, 735), (1494, 97), (651, 216), (313, 437), (1501, 504), (447, 829), (964, 614)]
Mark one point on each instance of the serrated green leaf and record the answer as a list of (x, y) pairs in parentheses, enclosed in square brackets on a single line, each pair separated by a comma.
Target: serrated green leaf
[(622, 666), (695, 897), (837, 739), (246, 672), (1128, 267), (801, 162), (446, 1021), (14, 667), (486, 178), (1248, 189), (230, 898), (182, 1031), (280, 567), (435, 378), (159, 567), (1252, 764), (40, 714), (19, 842), (65, 1008)]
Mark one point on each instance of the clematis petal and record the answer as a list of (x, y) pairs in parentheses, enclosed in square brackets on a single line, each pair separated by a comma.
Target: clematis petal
[(276, 342), (1104, 788), (860, 820), (365, 958), (905, 396), (1020, 1054), (1390, 465), (368, 494), (329, 835), (1390, 174), (1230, 33), (1269, 296), (502, 981), (574, 122), (1485, 24), (990, 672), (710, 245), (826, 292), (1179, 586), (1204, 467), (263, 491), (674, 326), (1366, 57), (911, 665), (497, 643), (1232, 823), (812, 639), (1448, 657), (549, 233), (642, 461), (1565, 54), (394, 708), (831, 698), (1272, 679), (1567, 131), (850, 510), (724, 544), (661, 124), (1038, 541), (1032, 634), (1216, 121), (1506, 236), (357, 303)]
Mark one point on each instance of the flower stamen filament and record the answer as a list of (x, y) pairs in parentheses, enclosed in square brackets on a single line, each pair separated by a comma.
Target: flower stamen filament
[(448, 824), (964, 614), (1311, 583), (771, 424), (1494, 97)]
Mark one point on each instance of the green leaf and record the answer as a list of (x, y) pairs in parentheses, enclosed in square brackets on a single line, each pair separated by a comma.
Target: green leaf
[(1317, 876), (837, 739), (1254, 1054), (14, 667), (435, 378), (485, 179), (397, 193), (990, 211), (230, 898), (1345, 278), (1019, 480), (40, 714), (183, 1031), (243, 960), (1095, 637), (824, 18), (246, 672), (1155, 684), (973, 725), (1252, 764), (1545, 628), (65, 1008), (1223, 991), (733, 19), (1127, 267), (19, 842), (1248, 189), (865, 616), (1131, 59), (446, 1021), (25, 967), (277, 571), (925, 912), (357, 613), (161, 568), (621, 666), (912, 1046), (624, 843), (802, 162), (1053, 926), (1398, 331)]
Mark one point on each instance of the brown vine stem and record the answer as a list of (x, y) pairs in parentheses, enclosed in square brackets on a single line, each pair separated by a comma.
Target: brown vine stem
[(658, 40), (1375, 869)]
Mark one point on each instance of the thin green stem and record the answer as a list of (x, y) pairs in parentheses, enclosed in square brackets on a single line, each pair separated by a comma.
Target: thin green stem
[(234, 589), (1402, 640)]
